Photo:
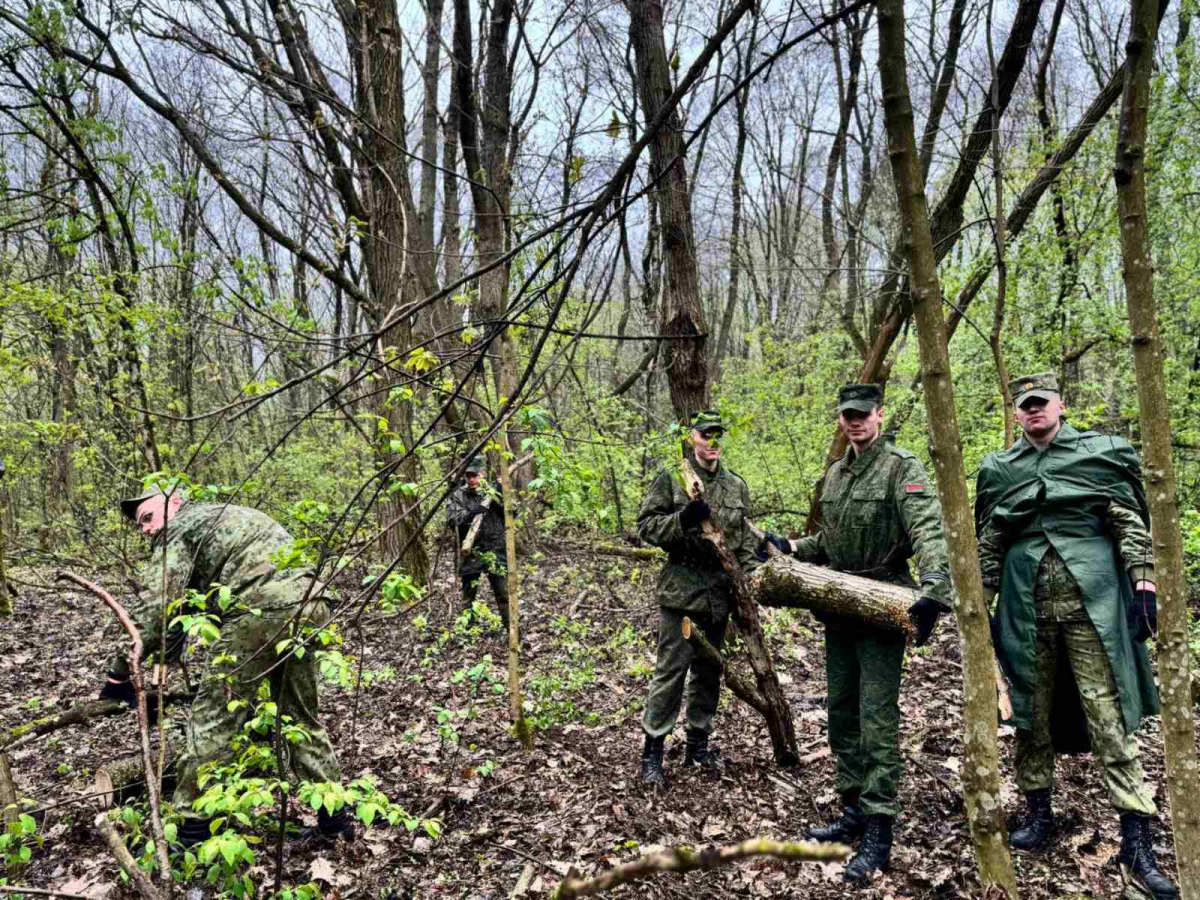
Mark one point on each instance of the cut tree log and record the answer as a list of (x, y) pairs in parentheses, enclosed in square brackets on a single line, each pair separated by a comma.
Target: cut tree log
[(8, 790), (736, 680), (789, 583), (776, 712), (125, 778)]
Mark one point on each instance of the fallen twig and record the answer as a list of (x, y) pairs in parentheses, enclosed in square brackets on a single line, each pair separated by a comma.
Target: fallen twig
[(125, 859), (685, 859)]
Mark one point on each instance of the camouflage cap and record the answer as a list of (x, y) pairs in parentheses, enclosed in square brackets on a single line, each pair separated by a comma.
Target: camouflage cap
[(476, 465), (1044, 385), (130, 504), (861, 397), (707, 420)]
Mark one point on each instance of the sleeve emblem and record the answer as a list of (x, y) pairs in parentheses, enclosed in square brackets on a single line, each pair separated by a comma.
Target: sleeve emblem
[(913, 487)]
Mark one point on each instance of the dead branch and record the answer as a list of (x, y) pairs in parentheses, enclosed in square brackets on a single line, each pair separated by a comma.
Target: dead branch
[(735, 679), (789, 583), (125, 859), (8, 790), (20, 735), (40, 892), (135, 668), (685, 859)]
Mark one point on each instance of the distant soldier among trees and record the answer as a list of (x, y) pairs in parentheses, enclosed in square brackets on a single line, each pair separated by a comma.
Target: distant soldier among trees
[(692, 584), (487, 553), (208, 545), (879, 509), (1064, 541)]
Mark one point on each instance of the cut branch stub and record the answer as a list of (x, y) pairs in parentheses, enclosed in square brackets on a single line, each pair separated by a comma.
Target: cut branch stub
[(788, 583)]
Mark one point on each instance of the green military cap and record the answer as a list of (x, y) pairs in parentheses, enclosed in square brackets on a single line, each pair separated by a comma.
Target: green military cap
[(130, 504), (1044, 385), (476, 465), (707, 420), (862, 397)]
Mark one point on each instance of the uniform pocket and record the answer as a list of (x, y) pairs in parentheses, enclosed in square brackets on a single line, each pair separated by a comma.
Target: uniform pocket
[(866, 506)]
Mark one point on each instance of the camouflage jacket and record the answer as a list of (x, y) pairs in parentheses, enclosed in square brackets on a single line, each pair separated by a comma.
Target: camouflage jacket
[(693, 580), (211, 544), (490, 538), (879, 509)]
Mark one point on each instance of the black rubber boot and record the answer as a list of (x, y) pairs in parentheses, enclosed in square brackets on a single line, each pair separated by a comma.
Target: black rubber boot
[(875, 851), (846, 830), (1036, 830), (652, 770), (1138, 863), (329, 828), (697, 752), (193, 831)]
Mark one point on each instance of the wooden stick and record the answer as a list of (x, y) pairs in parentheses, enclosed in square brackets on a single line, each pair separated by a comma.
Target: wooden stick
[(8, 790), (125, 860), (21, 735), (135, 668), (685, 859), (1003, 695), (775, 711), (41, 892), (735, 680)]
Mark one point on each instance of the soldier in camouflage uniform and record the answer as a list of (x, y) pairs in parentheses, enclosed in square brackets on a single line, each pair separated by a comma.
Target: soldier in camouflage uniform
[(692, 584), (488, 554), (1064, 540), (214, 544), (879, 509)]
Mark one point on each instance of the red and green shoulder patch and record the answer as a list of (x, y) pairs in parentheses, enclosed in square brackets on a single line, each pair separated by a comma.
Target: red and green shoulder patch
[(913, 487)]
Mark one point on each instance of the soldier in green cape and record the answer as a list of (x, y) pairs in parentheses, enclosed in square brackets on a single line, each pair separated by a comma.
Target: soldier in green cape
[(1064, 542)]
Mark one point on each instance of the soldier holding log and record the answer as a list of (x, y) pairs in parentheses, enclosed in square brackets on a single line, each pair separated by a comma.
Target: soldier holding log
[(1064, 540), (692, 584), (486, 554), (202, 545), (879, 509)]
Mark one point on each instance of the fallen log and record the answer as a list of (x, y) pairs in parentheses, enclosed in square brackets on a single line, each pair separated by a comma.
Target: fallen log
[(122, 779), (785, 582), (741, 686), (775, 710), (76, 715)]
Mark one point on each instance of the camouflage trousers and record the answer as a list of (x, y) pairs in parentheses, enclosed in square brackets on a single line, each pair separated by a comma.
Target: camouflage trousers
[(499, 583), (863, 669), (245, 652), (1063, 625), (676, 658)]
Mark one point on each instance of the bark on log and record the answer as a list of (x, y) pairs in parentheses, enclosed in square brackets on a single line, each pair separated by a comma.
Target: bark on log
[(473, 532), (76, 715), (8, 790), (788, 583), (743, 688), (125, 778), (145, 887), (776, 712)]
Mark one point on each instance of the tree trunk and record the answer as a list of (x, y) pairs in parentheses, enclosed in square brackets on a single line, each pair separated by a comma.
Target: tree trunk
[(685, 361), (1129, 173), (981, 766), (789, 583), (745, 615), (1006, 410)]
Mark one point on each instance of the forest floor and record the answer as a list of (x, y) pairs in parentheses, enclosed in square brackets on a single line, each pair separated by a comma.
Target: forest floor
[(590, 623)]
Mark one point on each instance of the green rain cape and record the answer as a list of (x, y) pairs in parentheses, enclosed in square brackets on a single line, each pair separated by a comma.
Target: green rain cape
[(1059, 498)]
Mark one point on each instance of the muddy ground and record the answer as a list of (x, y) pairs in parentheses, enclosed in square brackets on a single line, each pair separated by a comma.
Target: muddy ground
[(575, 800)]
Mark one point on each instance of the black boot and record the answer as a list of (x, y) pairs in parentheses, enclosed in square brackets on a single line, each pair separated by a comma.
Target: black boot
[(1036, 830), (652, 770), (1137, 859), (875, 851), (697, 752), (193, 831), (329, 828), (846, 830)]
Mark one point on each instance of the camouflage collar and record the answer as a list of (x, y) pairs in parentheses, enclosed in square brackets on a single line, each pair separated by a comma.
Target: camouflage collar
[(860, 462)]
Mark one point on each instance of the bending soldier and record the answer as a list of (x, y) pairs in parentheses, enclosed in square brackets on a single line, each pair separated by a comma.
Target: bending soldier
[(879, 509), (202, 545), (692, 584), (1064, 541), (487, 555)]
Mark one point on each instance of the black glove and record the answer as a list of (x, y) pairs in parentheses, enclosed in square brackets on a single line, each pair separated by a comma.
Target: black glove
[(762, 552), (1142, 615), (476, 509), (694, 513), (123, 691), (924, 614)]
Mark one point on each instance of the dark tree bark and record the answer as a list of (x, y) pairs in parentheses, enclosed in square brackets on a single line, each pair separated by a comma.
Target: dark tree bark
[(684, 361), (981, 766), (1129, 173)]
